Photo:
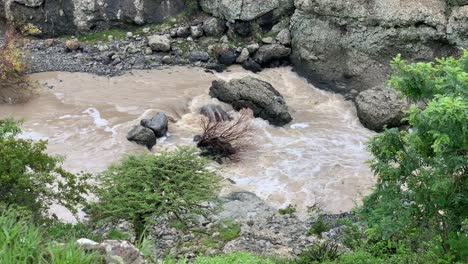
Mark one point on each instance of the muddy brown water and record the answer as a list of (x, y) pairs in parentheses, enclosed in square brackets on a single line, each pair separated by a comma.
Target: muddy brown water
[(319, 158)]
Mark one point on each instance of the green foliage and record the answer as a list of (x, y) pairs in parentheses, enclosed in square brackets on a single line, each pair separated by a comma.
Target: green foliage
[(318, 227), (32, 179), (317, 253), (143, 186), (23, 242), (290, 210), (63, 232), (234, 258), (228, 231), (421, 192)]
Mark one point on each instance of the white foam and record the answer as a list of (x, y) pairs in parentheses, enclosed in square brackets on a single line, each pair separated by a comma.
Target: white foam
[(32, 135), (94, 113), (299, 125)]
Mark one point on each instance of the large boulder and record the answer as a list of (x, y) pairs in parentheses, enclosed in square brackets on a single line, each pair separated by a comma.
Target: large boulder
[(159, 124), (378, 108), (159, 43), (264, 100), (69, 16), (142, 136), (345, 45), (271, 52), (214, 27)]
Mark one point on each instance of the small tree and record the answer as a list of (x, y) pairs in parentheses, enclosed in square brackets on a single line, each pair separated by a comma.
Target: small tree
[(32, 179), (143, 186), (422, 188), (226, 139)]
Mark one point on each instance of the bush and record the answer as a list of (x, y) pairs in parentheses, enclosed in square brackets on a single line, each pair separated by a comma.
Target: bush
[(23, 242), (234, 258), (422, 188), (32, 179), (143, 186), (226, 139), (14, 86), (325, 251)]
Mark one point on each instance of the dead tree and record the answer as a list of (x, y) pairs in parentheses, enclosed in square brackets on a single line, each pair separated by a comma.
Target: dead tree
[(226, 139)]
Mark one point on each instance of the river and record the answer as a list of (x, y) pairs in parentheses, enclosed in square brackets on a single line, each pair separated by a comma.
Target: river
[(320, 158)]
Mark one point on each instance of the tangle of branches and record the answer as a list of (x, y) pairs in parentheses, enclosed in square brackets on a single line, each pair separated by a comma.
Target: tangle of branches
[(226, 139)]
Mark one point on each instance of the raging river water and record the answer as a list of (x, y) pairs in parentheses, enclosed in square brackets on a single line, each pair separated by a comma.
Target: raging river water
[(319, 158)]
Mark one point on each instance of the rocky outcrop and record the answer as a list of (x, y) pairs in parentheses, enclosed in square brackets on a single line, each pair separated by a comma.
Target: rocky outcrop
[(159, 124), (271, 52), (142, 136), (378, 108), (264, 100), (71, 16), (114, 251), (347, 45)]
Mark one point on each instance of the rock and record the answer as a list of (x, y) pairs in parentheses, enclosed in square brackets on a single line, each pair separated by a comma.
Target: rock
[(351, 43), (183, 32), (252, 66), (87, 244), (129, 35), (158, 124), (214, 27), (284, 37), (457, 28), (102, 47), (253, 47), (173, 32), (249, 92), (196, 31), (268, 53), (224, 39), (199, 56), (244, 55), (142, 136), (380, 107), (159, 43), (167, 59), (267, 40), (215, 113), (121, 252), (146, 30), (148, 51), (228, 58), (72, 45), (30, 3)]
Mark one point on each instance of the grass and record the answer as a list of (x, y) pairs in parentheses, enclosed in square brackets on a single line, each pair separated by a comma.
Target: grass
[(235, 258), (229, 230), (289, 210)]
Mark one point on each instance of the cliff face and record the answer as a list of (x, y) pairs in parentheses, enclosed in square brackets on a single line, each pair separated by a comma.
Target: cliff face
[(55, 17), (348, 44)]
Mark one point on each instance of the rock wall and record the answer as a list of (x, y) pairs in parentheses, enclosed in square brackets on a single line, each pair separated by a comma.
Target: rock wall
[(55, 17), (345, 45)]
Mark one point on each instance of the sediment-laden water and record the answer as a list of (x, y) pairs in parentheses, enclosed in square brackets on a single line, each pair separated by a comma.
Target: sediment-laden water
[(317, 159)]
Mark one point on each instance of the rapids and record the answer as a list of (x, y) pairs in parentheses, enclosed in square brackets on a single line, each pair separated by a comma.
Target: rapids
[(320, 158)]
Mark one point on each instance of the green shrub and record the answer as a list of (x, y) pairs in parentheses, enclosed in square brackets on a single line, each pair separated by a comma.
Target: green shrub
[(234, 258), (318, 227), (32, 179), (290, 210), (325, 251), (144, 186), (229, 230)]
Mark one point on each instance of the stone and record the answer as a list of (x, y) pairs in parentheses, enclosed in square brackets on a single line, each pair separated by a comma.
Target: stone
[(268, 53), (284, 37), (264, 100), (199, 56), (267, 40), (72, 45), (252, 48), (87, 244), (196, 31), (173, 32), (121, 252), (30, 3), (228, 58), (129, 35), (142, 136), (183, 32), (159, 43), (146, 30), (215, 113), (252, 66), (244, 55), (378, 108), (158, 124), (214, 27), (148, 51), (167, 59)]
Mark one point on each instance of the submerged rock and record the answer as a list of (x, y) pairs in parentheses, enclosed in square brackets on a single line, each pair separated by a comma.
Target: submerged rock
[(380, 107), (252, 66), (260, 96), (215, 113), (158, 124), (142, 136)]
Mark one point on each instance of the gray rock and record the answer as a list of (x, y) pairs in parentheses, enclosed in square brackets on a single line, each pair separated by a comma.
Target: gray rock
[(252, 66), (199, 56), (183, 32), (115, 251), (253, 47), (267, 40), (196, 31), (457, 28), (380, 107), (215, 113), (142, 136), (284, 37), (30, 3), (260, 96), (167, 59), (214, 27), (159, 43), (268, 53), (244, 55), (228, 58), (129, 35), (159, 124)]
